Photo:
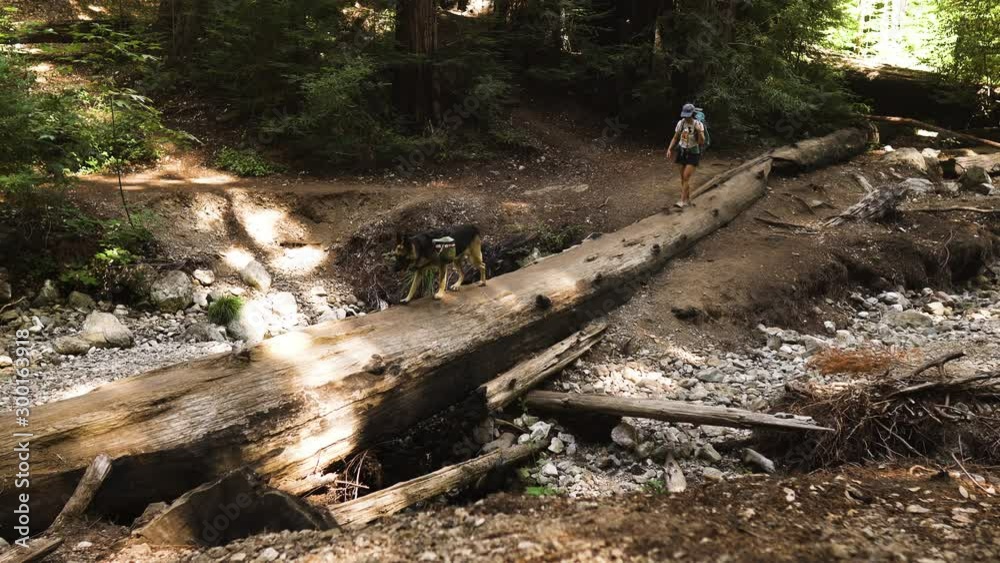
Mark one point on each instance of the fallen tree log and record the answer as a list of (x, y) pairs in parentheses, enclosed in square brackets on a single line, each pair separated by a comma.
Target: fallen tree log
[(294, 405), (989, 162), (499, 392), (357, 513), (820, 151), (667, 411), (928, 126), (875, 204)]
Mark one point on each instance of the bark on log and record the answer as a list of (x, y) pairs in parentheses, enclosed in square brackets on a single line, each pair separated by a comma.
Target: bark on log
[(92, 479), (989, 162), (357, 513), (668, 411), (820, 151), (37, 550), (925, 125), (874, 205), (501, 391), (293, 405)]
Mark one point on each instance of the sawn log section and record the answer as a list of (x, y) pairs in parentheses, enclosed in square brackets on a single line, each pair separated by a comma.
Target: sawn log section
[(297, 403)]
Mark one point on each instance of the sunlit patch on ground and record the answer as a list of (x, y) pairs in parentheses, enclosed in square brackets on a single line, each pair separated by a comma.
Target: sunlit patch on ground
[(301, 260), (237, 258)]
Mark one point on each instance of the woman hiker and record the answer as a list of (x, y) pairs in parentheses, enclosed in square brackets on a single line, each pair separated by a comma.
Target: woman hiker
[(689, 136)]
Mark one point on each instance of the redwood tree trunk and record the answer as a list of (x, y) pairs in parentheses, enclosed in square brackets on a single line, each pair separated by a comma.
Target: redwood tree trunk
[(415, 88)]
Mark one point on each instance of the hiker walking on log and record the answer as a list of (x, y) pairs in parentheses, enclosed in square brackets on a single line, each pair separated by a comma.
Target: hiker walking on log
[(689, 138)]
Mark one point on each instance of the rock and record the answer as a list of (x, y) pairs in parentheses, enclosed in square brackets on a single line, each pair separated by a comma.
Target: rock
[(204, 277), (755, 458), (269, 554), (81, 301), (947, 188), (6, 362), (204, 332), (830, 327), (711, 375), (550, 470), (845, 338), (104, 330), (200, 297), (907, 157), (6, 292), (83, 545), (936, 308), (813, 344), (47, 296), (709, 453), (285, 308), (674, 480), (250, 324), (976, 180), (624, 435), (540, 430), (140, 279), (712, 474), (172, 292), (918, 186), (505, 440), (482, 433), (70, 346), (910, 318), (556, 446), (255, 275)]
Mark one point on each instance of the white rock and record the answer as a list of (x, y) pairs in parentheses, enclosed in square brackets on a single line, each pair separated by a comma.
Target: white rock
[(204, 277), (104, 330), (624, 435), (250, 324), (172, 292), (256, 276)]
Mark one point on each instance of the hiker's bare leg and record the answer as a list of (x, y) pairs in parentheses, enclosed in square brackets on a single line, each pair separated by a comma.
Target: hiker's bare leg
[(680, 172), (686, 174)]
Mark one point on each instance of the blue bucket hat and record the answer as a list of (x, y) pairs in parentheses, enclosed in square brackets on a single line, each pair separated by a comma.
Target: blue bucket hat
[(688, 110)]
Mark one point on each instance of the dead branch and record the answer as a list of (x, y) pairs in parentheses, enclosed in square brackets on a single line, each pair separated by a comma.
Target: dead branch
[(669, 411), (357, 513), (91, 481), (955, 208), (785, 225), (937, 362)]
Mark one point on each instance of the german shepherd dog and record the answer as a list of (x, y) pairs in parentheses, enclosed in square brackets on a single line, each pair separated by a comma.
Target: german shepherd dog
[(420, 253)]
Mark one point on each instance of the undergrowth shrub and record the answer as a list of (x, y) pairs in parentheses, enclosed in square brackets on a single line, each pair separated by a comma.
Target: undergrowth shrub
[(245, 162), (863, 361), (225, 309)]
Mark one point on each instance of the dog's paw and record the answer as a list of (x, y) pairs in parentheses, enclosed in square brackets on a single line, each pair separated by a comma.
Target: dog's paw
[(482, 284), (438, 296), (404, 301), (455, 287)]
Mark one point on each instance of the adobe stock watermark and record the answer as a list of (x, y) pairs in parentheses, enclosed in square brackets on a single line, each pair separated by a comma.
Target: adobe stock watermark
[(227, 513), (22, 436)]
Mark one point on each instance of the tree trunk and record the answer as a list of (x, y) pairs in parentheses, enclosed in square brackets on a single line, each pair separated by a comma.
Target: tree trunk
[(415, 89), (669, 411), (181, 20)]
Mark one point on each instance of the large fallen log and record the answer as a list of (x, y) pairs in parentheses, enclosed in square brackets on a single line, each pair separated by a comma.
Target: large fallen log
[(820, 151), (294, 405), (37, 550), (658, 409), (357, 513)]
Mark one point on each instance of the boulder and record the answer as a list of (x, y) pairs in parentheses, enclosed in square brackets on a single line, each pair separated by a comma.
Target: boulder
[(976, 180), (172, 292), (910, 318), (250, 324), (104, 330), (909, 158), (918, 186), (81, 301), (6, 362), (139, 280), (625, 435), (255, 275), (204, 277), (48, 295), (70, 346), (204, 332), (6, 292)]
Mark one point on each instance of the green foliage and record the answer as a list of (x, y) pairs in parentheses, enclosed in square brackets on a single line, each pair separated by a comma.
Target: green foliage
[(970, 46), (654, 486), (428, 278), (541, 491), (223, 310), (107, 272), (245, 162), (119, 55)]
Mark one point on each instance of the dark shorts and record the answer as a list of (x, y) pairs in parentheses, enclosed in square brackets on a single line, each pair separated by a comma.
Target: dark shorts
[(687, 157)]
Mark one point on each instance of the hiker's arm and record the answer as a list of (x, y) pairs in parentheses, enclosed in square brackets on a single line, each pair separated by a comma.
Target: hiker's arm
[(673, 143), (701, 135)]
